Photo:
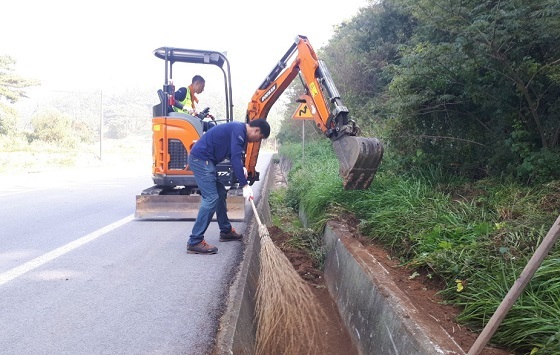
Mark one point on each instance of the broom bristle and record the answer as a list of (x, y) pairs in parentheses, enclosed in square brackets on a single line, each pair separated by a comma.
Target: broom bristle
[(288, 313), (263, 232)]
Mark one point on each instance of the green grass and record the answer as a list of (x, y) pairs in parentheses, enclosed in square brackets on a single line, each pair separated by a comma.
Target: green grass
[(533, 321), (478, 233), (287, 220)]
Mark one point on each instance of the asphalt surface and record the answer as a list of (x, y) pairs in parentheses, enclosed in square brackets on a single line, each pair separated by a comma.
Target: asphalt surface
[(79, 275)]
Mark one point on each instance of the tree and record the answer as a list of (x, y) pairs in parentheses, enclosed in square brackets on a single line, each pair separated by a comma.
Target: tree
[(11, 90), (128, 113), (58, 128), (359, 54), (478, 87)]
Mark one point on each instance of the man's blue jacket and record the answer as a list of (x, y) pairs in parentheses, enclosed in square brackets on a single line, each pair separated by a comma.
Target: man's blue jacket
[(227, 140)]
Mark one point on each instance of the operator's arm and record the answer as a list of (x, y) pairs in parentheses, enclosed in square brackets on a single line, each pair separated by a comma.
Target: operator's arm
[(185, 108)]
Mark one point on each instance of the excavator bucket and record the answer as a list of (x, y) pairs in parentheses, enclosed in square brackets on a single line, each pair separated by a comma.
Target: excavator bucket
[(359, 158), (162, 207)]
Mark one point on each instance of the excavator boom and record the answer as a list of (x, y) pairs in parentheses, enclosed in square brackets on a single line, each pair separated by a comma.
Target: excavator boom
[(359, 157)]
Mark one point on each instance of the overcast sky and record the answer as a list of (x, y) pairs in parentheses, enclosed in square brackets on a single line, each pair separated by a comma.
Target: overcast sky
[(101, 44)]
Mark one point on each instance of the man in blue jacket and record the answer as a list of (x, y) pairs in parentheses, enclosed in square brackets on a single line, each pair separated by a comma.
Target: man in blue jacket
[(228, 140)]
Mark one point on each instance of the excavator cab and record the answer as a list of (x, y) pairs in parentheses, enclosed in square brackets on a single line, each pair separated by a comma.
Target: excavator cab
[(175, 194)]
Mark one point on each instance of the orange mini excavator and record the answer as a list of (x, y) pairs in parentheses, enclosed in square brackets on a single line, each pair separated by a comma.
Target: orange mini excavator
[(175, 193)]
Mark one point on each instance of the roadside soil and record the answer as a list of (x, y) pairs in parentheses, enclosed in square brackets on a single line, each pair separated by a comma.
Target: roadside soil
[(421, 290)]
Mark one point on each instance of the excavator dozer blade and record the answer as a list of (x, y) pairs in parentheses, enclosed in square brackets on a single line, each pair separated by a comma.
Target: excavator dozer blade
[(182, 207), (359, 158)]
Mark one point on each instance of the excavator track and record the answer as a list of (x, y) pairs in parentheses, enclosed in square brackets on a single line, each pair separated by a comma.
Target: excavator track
[(359, 158)]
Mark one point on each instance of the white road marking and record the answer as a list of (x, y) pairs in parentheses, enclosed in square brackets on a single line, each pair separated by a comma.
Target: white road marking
[(45, 258), (15, 191)]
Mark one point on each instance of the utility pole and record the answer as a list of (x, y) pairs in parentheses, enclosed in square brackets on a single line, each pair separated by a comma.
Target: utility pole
[(101, 127)]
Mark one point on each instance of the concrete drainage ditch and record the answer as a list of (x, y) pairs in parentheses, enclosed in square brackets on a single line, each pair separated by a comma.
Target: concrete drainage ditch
[(378, 316)]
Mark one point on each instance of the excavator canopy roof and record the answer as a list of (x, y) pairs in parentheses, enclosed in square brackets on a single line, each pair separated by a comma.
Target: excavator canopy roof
[(183, 55)]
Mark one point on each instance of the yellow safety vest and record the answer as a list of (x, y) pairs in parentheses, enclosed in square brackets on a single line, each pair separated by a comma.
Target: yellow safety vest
[(187, 102)]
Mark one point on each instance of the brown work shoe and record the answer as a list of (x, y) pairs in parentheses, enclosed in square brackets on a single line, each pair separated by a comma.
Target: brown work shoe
[(202, 248), (232, 235)]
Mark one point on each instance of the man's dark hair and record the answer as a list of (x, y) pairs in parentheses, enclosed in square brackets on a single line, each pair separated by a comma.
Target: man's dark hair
[(263, 125), (197, 78)]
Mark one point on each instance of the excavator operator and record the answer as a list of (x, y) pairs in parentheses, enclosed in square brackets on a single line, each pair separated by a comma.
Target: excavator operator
[(185, 98)]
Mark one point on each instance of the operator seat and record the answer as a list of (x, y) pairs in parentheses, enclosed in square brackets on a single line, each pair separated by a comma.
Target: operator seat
[(163, 108), (194, 121)]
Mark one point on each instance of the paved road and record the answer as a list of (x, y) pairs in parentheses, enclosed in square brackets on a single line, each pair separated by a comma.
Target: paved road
[(78, 275)]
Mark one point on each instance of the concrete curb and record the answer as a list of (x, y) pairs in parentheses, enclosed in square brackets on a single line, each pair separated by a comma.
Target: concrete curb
[(379, 317)]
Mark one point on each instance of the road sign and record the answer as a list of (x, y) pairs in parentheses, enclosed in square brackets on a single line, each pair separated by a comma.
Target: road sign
[(303, 112)]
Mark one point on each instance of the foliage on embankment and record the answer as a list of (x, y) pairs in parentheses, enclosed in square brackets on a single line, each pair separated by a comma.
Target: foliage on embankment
[(477, 236)]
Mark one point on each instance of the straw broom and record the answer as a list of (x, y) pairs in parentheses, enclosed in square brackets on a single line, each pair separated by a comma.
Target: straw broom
[(287, 312)]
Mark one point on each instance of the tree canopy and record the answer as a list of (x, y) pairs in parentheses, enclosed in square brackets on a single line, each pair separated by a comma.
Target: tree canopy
[(12, 88), (471, 86)]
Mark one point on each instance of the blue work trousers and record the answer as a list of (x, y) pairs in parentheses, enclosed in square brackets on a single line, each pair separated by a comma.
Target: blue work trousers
[(214, 194)]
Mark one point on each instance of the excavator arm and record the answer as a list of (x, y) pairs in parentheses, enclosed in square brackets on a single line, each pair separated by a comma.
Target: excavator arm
[(359, 157)]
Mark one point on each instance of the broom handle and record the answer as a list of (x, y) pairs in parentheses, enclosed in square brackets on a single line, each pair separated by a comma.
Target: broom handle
[(255, 211)]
